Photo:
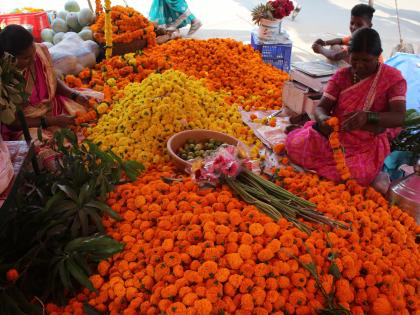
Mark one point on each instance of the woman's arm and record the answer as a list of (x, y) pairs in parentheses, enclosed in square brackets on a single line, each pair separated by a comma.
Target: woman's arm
[(323, 110), (64, 90), (372, 121), (335, 41), (322, 114), (330, 53), (395, 117), (31, 122)]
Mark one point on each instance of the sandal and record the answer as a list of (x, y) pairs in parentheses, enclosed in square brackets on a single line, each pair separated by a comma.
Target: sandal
[(195, 26)]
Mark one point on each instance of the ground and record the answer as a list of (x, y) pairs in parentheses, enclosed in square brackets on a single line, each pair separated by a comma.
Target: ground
[(318, 19)]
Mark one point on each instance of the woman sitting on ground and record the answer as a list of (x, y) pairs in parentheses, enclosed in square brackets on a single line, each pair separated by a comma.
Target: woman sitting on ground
[(51, 103), (369, 100)]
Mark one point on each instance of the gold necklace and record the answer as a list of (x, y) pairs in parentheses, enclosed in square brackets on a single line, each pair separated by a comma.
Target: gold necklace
[(356, 78)]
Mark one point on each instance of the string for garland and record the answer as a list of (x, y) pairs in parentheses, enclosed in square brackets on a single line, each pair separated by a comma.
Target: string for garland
[(108, 30)]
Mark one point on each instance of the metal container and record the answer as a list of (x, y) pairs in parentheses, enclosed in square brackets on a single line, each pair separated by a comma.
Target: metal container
[(406, 194)]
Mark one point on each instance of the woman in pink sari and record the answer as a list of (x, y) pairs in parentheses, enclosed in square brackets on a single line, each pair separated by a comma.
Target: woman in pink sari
[(369, 100), (51, 103)]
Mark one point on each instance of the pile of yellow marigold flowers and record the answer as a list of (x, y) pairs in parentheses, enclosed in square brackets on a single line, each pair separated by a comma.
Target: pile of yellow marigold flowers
[(140, 122), (192, 251)]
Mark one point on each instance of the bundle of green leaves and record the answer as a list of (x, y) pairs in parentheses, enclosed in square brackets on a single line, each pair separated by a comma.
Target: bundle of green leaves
[(409, 138), (12, 88), (53, 236)]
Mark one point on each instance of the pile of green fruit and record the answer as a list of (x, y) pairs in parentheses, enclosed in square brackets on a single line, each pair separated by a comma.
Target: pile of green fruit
[(193, 149)]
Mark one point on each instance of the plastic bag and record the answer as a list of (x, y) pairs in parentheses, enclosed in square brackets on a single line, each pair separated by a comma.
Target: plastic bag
[(6, 167), (73, 54)]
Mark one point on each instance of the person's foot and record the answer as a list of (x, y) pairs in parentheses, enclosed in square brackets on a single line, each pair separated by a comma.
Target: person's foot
[(171, 29), (195, 25), (176, 34)]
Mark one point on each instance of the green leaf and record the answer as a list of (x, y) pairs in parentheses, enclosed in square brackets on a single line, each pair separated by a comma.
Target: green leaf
[(95, 218), (81, 261), (334, 271), (104, 208), (56, 197), (64, 275), (73, 245), (85, 194), (170, 180), (75, 227), (39, 134), (23, 303), (78, 274), (70, 193), (10, 303), (70, 136), (84, 222), (90, 310)]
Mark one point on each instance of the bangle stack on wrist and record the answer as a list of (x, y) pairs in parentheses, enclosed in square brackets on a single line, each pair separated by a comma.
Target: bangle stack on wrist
[(373, 118)]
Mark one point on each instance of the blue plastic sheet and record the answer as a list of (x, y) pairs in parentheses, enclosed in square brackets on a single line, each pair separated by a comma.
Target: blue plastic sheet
[(409, 65)]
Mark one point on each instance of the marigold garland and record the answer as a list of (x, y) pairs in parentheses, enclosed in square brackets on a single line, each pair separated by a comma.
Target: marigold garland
[(86, 117), (98, 7), (338, 152), (108, 29), (205, 252)]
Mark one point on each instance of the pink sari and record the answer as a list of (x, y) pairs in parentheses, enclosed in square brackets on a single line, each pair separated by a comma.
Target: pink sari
[(41, 86), (365, 151)]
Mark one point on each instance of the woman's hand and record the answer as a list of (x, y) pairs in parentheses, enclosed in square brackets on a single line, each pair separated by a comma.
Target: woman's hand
[(321, 42), (61, 121), (82, 100), (355, 121), (323, 128), (317, 48)]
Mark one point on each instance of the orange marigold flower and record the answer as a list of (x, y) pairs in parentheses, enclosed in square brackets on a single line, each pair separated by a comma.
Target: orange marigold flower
[(12, 275)]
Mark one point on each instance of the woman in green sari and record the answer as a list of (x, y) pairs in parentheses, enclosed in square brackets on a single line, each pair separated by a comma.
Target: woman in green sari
[(173, 15)]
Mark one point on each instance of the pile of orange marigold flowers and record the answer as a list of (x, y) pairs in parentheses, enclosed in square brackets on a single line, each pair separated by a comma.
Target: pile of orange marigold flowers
[(118, 71), (228, 65), (127, 25), (192, 251), (225, 65)]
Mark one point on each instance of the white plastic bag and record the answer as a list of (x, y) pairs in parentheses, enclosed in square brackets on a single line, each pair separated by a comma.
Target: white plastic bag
[(6, 167), (73, 54)]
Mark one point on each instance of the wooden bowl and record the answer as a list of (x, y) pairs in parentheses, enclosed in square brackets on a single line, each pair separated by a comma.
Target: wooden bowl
[(200, 135)]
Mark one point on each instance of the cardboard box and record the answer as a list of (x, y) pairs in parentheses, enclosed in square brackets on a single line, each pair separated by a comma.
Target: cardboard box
[(299, 98)]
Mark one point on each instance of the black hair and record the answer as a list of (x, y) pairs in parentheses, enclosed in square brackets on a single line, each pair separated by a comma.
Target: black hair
[(363, 11), (366, 40), (15, 39)]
